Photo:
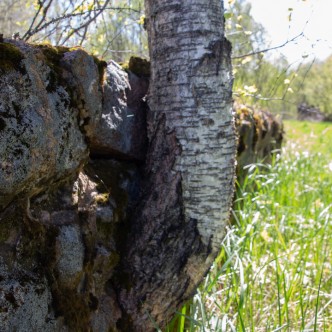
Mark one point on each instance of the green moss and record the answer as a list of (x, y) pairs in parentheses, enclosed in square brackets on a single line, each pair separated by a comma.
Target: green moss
[(139, 66), (108, 182), (113, 260), (74, 307), (32, 244), (101, 65), (5, 228), (105, 229), (53, 56), (102, 198), (10, 57), (124, 65), (75, 48)]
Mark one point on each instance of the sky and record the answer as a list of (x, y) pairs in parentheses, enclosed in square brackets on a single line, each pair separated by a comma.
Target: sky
[(312, 17)]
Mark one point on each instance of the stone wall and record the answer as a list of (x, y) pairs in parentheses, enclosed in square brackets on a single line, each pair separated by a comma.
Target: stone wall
[(73, 137), (310, 113), (260, 134)]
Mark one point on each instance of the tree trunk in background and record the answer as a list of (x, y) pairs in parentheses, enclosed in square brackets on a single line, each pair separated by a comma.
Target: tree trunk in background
[(189, 176)]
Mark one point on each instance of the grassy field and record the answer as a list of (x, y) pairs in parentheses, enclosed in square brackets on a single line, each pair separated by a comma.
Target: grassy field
[(313, 137), (274, 272)]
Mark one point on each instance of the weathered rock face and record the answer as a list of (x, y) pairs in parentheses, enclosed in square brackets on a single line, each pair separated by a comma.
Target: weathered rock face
[(63, 221), (57, 263), (24, 301), (122, 128), (83, 78), (259, 134), (45, 116)]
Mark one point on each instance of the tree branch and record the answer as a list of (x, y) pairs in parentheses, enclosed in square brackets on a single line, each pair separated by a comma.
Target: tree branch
[(85, 25), (269, 49), (32, 31)]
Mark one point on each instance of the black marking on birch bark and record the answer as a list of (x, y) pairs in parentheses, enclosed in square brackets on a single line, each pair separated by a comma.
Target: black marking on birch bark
[(219, 50)]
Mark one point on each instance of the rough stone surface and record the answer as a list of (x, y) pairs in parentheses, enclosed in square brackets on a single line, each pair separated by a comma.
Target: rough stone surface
[(122, 128), (83, 78), (70, 254), (24, 302), (58, 231), (57, 263), (42, 129)]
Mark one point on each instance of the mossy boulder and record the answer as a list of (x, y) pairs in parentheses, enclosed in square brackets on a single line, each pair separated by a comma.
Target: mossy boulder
[(139, 66)]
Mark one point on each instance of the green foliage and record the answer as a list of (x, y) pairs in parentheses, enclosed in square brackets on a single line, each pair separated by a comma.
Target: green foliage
[(120, 33), (271, 82), (15, 16), (109, 29), (10, 57), (257, 81), (274, 270), (313, 85), (310, 136), (242, 30)]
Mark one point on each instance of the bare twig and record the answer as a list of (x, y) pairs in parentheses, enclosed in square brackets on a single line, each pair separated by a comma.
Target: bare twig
[(86, 24), (39, 27), (269, 48), (33, 21)]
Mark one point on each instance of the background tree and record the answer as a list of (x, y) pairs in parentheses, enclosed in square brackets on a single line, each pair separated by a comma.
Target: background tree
[(313, 84), (15, 16), (260, 76), (109, 29), (120, 33), (64, 22)]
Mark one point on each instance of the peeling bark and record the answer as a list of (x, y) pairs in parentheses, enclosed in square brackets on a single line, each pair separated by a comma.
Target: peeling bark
[(189, 175)]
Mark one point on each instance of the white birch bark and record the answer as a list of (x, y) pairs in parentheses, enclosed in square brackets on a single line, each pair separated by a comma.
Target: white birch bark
[(191, 85), (189, 179)]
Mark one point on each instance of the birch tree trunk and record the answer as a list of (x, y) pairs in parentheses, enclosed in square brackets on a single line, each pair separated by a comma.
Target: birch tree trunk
[(178, 227)]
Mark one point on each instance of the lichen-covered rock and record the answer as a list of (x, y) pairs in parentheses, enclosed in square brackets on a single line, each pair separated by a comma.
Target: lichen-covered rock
[(58, 232), (121, 131), (25, 301), (42, 127), (70, 254), (84, 81), (56, 265)]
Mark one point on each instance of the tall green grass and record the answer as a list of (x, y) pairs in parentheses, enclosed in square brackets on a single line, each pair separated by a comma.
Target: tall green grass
[(314, 137), (274, 271)]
